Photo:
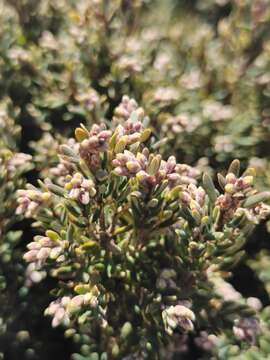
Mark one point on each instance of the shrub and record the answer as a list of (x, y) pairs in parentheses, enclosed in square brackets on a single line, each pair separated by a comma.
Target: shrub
[(136, 244)]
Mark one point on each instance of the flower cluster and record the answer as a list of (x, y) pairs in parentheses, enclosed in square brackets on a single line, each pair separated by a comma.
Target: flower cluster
[(79, 188), (181, 124), (17, 161), (178, 316), (43, 248), (62, 309), (126, 108), (30, 200), (95, 142), (247, 329), (236, 190), (152, 170)]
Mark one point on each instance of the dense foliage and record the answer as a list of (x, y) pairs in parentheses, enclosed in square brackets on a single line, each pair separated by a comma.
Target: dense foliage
[(125, 218)]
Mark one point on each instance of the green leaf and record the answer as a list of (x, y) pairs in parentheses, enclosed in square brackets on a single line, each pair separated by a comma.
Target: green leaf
[(209, 187), (257, 198), (234, 168)]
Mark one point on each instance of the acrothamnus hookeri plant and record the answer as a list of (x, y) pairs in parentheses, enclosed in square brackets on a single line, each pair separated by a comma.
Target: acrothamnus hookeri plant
[(136, 242)]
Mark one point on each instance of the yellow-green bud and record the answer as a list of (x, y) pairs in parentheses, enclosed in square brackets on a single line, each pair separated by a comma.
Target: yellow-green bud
[(145, 135), (229, 188)]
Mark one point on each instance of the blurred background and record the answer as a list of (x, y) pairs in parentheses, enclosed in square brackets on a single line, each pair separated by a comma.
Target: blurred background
[(201, 71)]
